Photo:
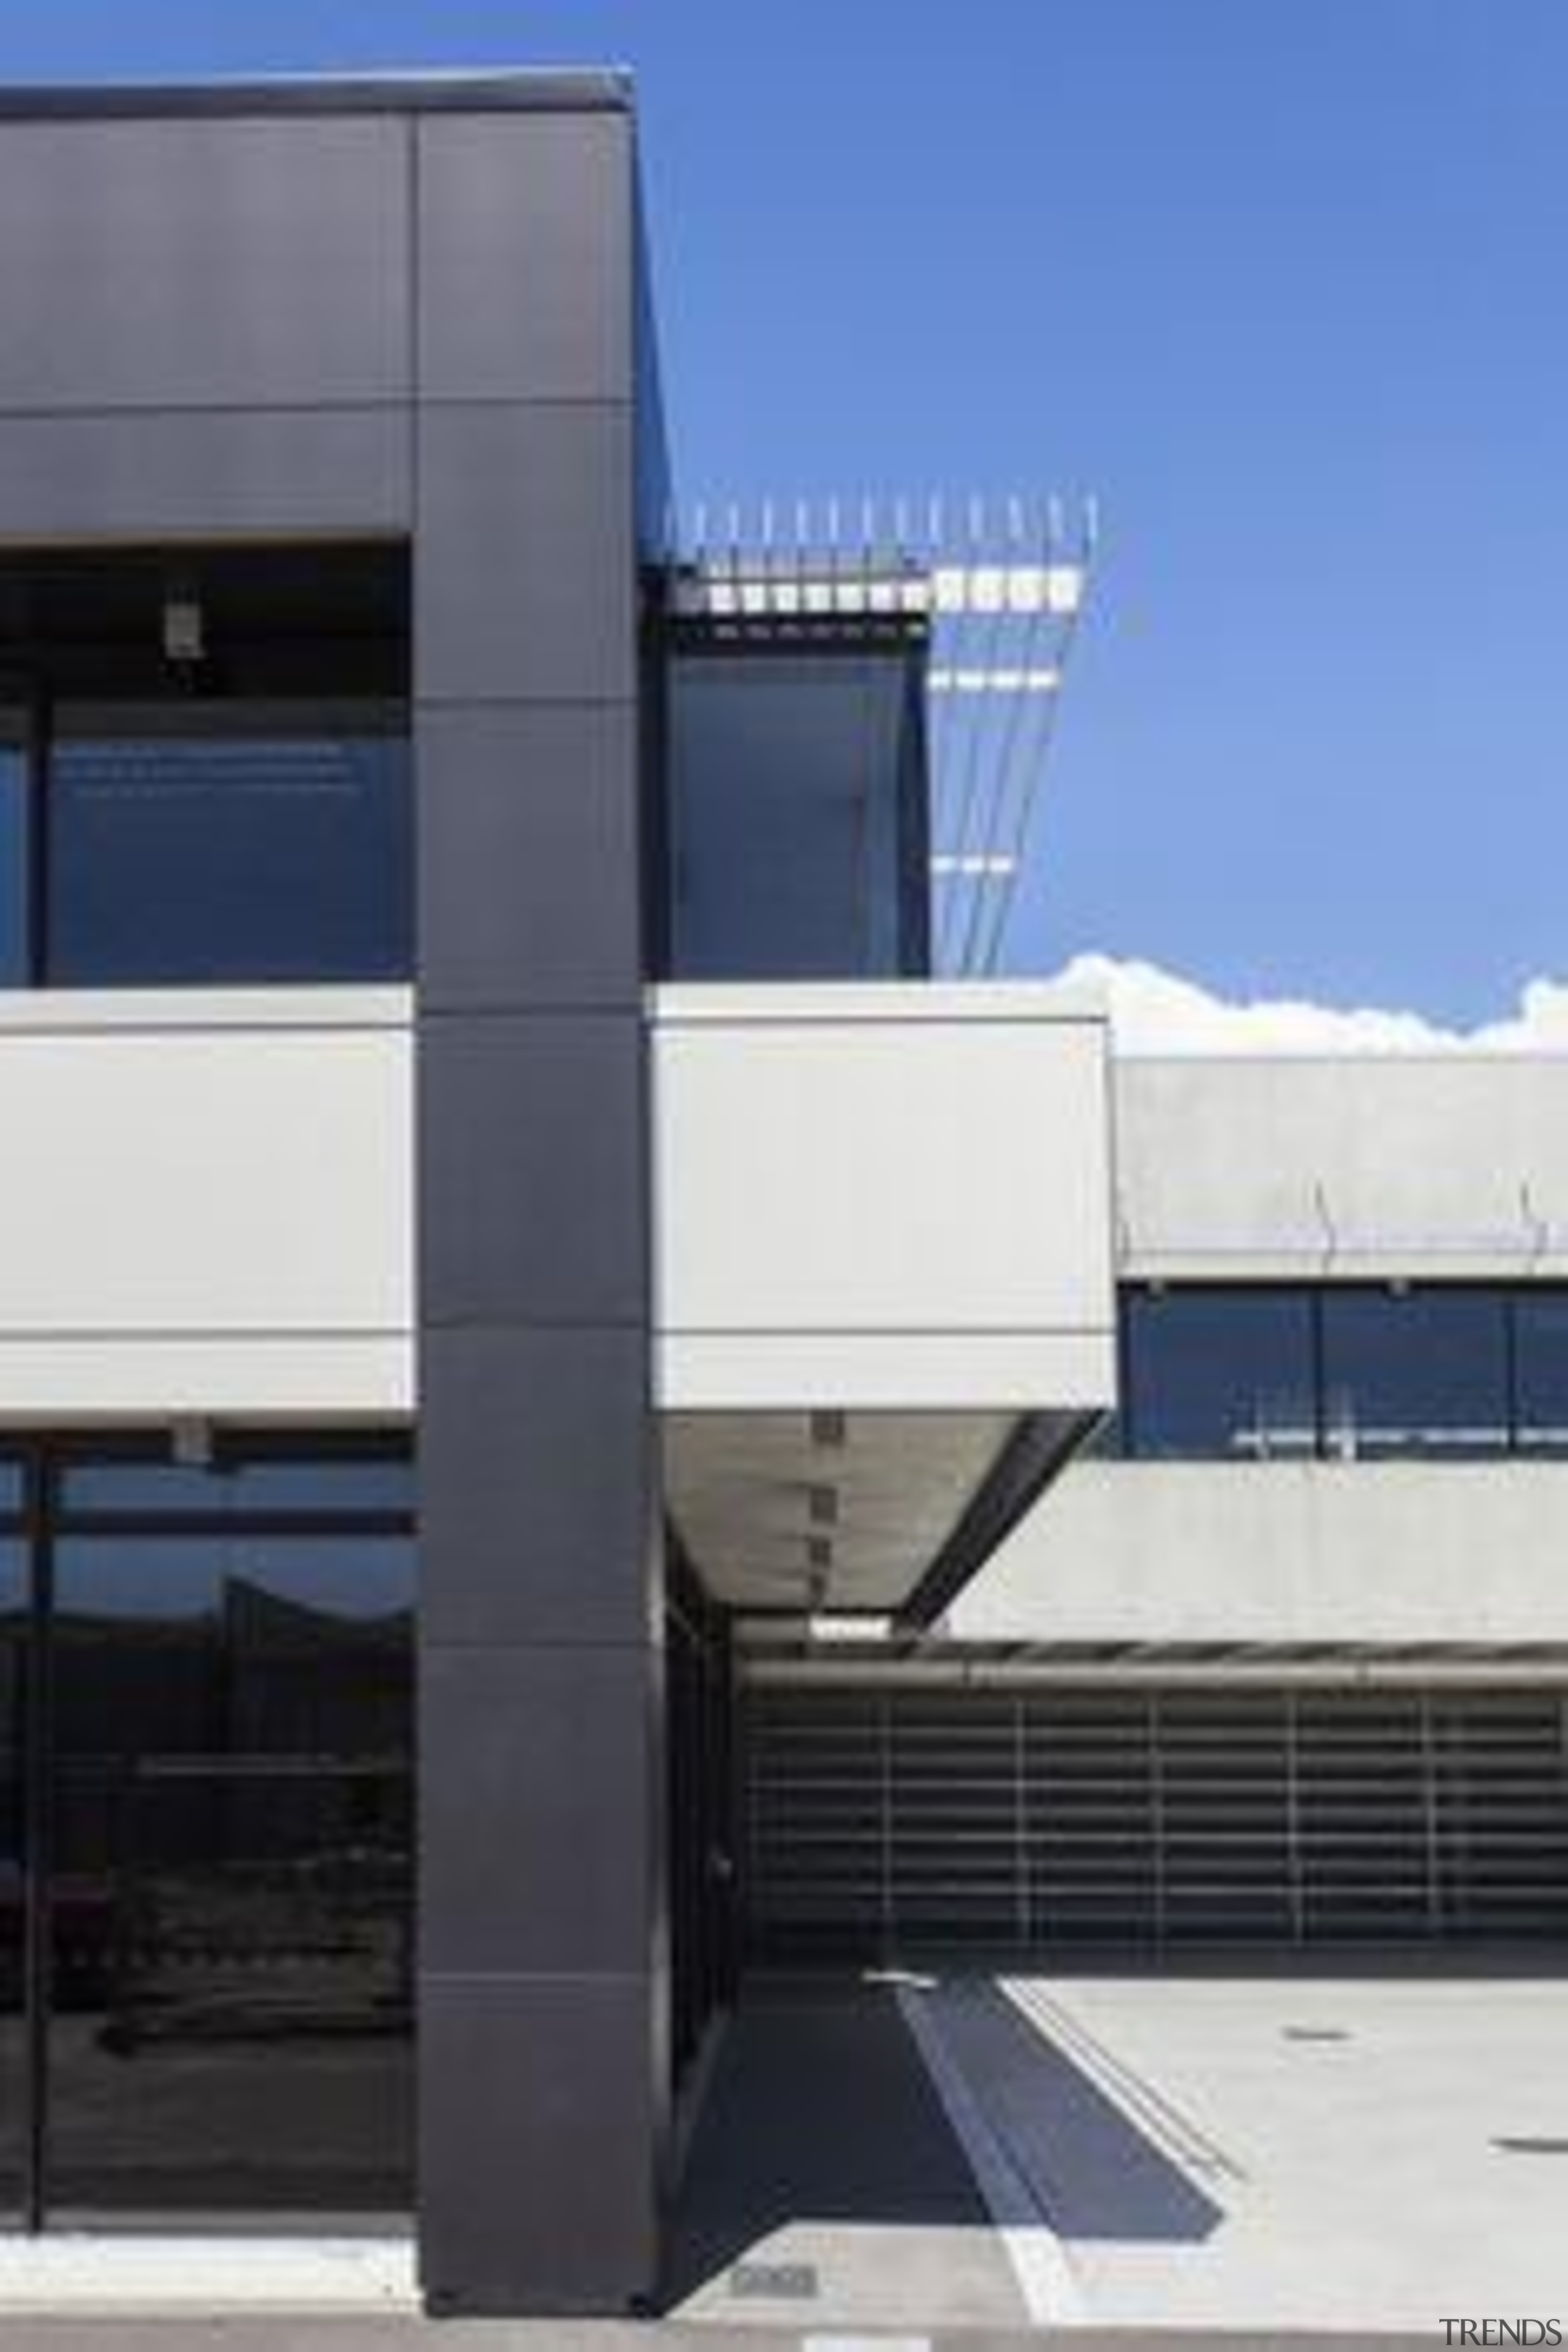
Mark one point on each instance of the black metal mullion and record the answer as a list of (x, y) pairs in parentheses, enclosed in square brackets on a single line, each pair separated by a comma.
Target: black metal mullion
[(40, 1807), (234, 1446), (40, 762)]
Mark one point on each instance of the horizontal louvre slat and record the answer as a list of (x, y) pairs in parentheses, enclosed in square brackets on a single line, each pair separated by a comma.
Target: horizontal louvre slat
[(1149, 1818)]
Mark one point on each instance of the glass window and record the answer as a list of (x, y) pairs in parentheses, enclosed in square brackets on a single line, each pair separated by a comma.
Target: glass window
[(232, 1962), (346, 1484), (1220, 1374), (1419, 1371), (218, 842), (1540, 1373), (797, 815)]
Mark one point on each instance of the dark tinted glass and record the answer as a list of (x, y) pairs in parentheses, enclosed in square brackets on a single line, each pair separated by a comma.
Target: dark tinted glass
[(1415, 1372), (14, 930), (329, 1487), (12, 1879), (1220, 1374), (233, 1896), (797, 840), (1541, 1345), (211, 845)]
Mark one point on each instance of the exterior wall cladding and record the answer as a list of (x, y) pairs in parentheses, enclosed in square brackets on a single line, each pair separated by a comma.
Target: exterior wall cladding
[(410, 312)]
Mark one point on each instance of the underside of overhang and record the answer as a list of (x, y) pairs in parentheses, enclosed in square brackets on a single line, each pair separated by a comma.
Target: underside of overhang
[(814, 1517)]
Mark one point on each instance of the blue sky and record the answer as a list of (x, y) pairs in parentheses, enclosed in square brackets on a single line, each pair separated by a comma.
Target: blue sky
[(1280, 281)]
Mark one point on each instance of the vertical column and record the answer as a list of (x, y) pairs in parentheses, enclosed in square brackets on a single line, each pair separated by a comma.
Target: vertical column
[(543, 1994)]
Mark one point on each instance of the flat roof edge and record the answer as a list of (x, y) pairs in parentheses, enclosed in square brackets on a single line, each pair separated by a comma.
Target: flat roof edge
[(531, 90)]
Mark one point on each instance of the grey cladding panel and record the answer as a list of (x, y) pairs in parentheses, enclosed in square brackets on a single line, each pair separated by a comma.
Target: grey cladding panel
[(535, 1463), (154, 475), (534, 1820), (232, 263), (524, 230), (537, 2129), (533, 1170), (530, 871), (526, 582), (541, 1795)]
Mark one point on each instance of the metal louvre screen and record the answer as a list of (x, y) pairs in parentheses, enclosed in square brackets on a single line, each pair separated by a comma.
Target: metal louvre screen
[(881, 1819)]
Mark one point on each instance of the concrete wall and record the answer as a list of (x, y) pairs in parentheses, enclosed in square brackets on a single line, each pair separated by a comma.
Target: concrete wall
[(1439, 1165), (890, 1195), (1285, 1552)]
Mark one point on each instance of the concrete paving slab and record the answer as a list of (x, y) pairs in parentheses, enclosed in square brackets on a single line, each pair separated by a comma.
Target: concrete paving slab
[(1354, 2153)]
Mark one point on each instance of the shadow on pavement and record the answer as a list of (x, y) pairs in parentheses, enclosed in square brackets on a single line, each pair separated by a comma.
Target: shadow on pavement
[(1099, 2168), (820, 2110)]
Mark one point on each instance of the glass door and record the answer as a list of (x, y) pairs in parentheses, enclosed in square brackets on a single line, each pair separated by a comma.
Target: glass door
[(207, 1836)]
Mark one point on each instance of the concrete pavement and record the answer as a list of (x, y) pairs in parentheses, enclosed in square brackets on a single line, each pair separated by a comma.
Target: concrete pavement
[(1294, 2151), (1271, 2161)]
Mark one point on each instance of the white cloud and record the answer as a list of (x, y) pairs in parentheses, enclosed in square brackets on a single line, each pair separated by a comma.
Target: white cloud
[(1158, 1012)]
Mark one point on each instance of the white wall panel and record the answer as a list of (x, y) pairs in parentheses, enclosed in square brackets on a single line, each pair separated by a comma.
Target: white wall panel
[(1308, 1551), (890, 1195), (206, 1202)]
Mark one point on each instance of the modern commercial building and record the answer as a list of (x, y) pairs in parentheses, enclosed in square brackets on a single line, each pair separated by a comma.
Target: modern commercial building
[(480, 966)]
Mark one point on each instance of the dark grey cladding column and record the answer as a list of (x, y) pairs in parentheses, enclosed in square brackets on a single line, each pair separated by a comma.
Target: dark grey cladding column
[(542, 1990)]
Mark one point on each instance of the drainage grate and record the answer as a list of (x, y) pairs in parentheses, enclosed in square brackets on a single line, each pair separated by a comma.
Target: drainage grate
[(792, 2281), (1316, 2033), (1531, 2145)]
